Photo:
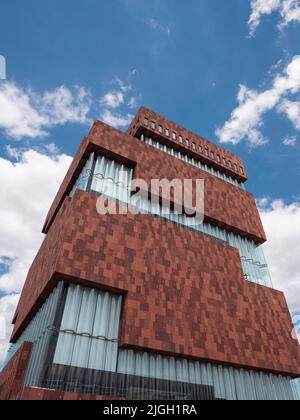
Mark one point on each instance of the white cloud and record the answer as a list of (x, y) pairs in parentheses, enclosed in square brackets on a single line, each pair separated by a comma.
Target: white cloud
[(116, 104), (115, 119), (262, 202), (27, 190), (290, 141), (113, 99), (133, 101), (13, 152), (292, 111), (282, 225), (17, 116), (52, 149), (7, 309), (16, 153), (156, 25), (125, 87), (26, 113), (260, 8), (289, 11), (247, 119), (62, 106)]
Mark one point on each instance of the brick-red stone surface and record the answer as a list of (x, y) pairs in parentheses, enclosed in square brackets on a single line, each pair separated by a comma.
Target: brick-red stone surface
[(13, 375), (185, 294), (225, 205), (138, 127)]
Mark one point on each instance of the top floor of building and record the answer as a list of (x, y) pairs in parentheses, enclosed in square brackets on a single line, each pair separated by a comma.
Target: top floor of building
[(153, 155), (157, 128)]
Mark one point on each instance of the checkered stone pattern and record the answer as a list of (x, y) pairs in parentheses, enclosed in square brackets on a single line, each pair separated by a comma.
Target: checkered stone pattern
[(13, 375), (225, 205), (184, 293)]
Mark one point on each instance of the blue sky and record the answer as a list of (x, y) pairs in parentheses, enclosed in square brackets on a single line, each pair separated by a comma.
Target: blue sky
[(189, 67), (70, 62)]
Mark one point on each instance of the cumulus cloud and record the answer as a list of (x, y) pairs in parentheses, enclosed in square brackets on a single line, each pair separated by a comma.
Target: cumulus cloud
[(26, 113), (288, 10), (282, 225), (247, 119), (116, 119), (112, 99), (133, 102), (52, 149), (292, 111), (260, 8), (16, 153), (62, 106), (27, 190), (116, 104)]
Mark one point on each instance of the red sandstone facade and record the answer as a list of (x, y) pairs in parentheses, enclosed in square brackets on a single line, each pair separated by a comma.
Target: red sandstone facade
[(184, 294)]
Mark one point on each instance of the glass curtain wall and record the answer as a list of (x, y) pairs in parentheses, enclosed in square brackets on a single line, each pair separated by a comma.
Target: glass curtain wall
[(84, 177), (296, 389), (89, 330), (84, 336), (191, 161), (112, 179), (39, 324), (228, 383)]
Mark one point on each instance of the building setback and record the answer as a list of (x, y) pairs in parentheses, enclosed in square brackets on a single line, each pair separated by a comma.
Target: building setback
[(151, 305)]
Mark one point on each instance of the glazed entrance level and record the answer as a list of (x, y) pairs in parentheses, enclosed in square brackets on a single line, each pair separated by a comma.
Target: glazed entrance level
[(114, 384), (76, 350)]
